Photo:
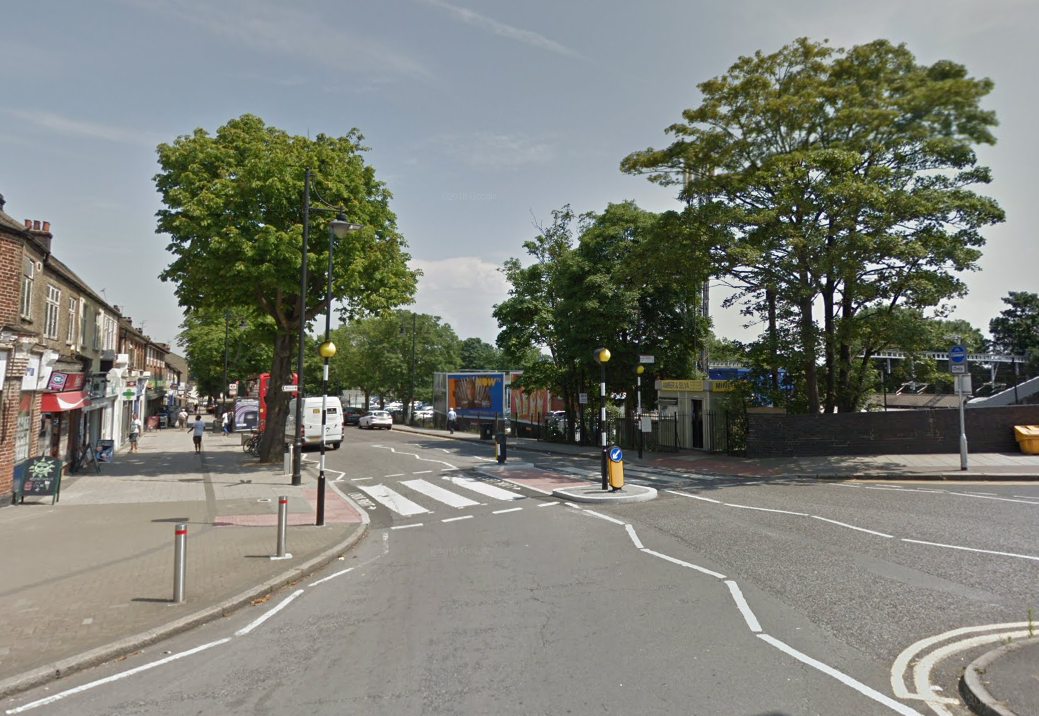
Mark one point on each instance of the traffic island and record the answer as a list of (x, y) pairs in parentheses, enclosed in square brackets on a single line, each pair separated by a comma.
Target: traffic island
[(587, 493)]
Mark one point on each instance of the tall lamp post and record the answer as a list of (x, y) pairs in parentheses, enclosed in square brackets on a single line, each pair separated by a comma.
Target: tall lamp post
[(223, 386), (297, 443), (602, 356), (338, 228), (639, 369), (411, 396)]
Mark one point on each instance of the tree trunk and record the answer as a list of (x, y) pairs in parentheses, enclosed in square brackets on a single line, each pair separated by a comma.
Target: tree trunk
[(272, 447), (808, 343), (773, 338)]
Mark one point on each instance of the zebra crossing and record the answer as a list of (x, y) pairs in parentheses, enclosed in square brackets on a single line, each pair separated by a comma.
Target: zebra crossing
[(405, 505)]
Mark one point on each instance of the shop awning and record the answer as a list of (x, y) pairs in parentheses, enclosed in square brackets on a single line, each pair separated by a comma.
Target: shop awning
[(59, 402)]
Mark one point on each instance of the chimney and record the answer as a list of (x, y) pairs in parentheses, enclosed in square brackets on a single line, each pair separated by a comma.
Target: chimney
[(28, 224), (36, 225), (47, 226), (41, 232), (2, 202)]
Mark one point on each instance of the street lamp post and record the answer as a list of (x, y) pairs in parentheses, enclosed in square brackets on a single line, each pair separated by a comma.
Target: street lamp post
[(411, 405), (338, 228), (297, 443), (223, 387), (638, 376), (601, 356)]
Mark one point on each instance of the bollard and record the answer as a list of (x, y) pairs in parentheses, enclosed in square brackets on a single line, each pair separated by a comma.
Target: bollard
[(288, 459), (283, 518), (180, 548)]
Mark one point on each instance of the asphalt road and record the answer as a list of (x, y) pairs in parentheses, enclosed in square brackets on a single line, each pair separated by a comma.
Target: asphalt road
[(776, 598)]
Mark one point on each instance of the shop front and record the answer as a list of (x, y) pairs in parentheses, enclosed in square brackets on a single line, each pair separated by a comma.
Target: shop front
[(62, 407)]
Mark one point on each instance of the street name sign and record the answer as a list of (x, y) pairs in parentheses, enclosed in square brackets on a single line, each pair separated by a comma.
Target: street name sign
[(647, 359), (289, 388)]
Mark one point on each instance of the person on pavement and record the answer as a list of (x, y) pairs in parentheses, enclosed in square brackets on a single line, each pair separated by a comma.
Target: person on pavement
[(225, 423), (452, 419), (197, 428), (135, 432), (182, 419)]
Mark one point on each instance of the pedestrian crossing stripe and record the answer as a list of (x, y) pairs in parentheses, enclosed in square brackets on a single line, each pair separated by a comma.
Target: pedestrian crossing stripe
[(394, 500), (484, 489), (439, 494)]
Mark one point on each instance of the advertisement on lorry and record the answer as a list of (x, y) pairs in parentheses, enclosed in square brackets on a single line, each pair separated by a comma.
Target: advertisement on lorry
[(472, 394)]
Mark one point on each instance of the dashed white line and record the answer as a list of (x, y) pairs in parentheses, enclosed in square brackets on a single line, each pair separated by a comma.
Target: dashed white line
[(422, 472), (684, 564), (571, 504), (986, 497), (634, 537), (355, 479), (851, 527), (971, 549), (405, 527), (332, 576), (843, 678), (116, 677), (502, 512), (455, 519), (695, 497), (396, 474), (741, 604), (765, 509), (257, 622), (604, 517), (547, 504)]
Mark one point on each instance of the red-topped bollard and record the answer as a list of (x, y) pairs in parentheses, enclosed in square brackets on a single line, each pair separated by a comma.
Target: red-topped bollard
[(180, 555)]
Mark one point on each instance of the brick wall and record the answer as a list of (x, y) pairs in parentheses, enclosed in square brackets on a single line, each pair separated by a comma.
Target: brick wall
[(899, 432)]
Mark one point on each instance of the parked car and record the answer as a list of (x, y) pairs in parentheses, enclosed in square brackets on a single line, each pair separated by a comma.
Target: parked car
[(424, 414), (375, 419), (310, 432), (351, 416)]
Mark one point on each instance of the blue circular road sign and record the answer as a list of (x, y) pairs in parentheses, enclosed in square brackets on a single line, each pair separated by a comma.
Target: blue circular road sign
[(616, 454), (957, 354)]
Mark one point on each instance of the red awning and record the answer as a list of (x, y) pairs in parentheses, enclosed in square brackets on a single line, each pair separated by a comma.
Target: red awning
[(59, 402)]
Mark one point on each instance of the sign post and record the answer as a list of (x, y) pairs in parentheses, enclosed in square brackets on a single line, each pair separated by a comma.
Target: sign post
[(958, 367)]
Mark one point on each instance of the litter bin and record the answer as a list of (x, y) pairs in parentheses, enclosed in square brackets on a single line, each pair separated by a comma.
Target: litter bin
[(486, 431), (1027, 438), (164, 420), (500, 447)]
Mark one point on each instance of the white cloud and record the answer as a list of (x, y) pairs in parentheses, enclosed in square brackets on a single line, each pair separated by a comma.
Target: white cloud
[(499, 28), (463, 291), (487, 149), (83, 128)]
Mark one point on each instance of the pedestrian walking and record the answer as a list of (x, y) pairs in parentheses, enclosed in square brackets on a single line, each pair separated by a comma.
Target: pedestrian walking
[(196, 429), (225, 423), (135, 432), (452, 420), (182, 419)]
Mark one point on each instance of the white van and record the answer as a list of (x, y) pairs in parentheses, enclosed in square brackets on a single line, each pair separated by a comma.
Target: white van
[(312, 422)]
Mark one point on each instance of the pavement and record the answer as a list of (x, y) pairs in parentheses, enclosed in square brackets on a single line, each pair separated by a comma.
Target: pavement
[(90, 579)]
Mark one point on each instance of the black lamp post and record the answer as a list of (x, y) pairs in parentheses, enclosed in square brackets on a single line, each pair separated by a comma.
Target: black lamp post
[(602, 356), (338, 228), (297, 443), (223, 387), (411, 405), (638, 376)]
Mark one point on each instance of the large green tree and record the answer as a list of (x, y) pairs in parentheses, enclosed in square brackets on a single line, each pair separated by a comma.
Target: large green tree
[(1016, 329), (834, 187), (234, 210), (205, 333), (477, 354)]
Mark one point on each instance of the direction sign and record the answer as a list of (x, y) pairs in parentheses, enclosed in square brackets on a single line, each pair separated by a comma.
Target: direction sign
[(616, 454), (957, 354), (958, 368), (582, 398), (647, 359), (289, 388)]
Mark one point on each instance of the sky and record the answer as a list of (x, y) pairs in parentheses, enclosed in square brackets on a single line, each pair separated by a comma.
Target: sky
[(482, 116)]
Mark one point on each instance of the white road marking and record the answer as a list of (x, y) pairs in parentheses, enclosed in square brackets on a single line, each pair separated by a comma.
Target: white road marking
[(684, 564), (985, 497), (422, 472), (604, 517), (332, 576), (922, 669), (502, 512), (971, 549), (901, 664), (396, 474), (395, 501), (841, 484), (270, 613), (406, 527), (439, 494), (741, 604), (843, 678), (116, 677), (484, 489), (528, 487), (1029, 497), (571, 504), (764, 509), (355, 479), (455, 519), (851, 527), (634, 537), (445, 469), (695, 497), (547, 504)]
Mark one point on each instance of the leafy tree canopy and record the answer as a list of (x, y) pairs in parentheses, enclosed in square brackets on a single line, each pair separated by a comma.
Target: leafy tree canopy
[(833, 187)]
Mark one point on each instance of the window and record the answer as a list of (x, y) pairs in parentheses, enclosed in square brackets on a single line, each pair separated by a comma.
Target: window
[(70, 336), (97, 329), (50, 312), (108, 342), (27, 276), (82, 323)]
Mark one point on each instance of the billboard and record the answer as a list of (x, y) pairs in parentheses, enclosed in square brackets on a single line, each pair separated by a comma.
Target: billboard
[(472, 394), (529, 406)]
